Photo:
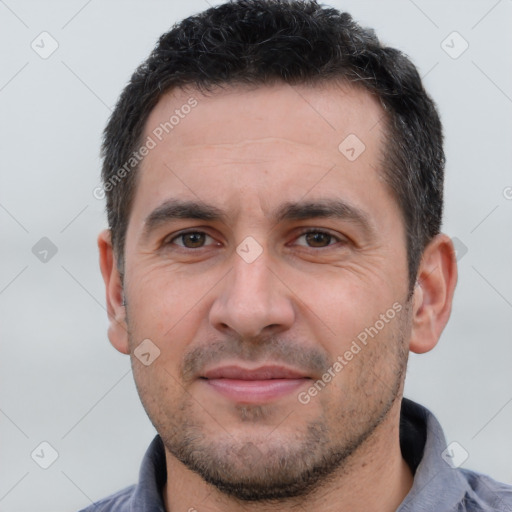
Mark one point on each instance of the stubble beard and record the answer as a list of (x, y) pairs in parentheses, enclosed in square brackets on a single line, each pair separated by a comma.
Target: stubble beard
[(252, 469)]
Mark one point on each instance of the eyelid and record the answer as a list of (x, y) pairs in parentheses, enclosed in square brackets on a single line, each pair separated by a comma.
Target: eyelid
[(338, 238), (168, 240), (312, 229)]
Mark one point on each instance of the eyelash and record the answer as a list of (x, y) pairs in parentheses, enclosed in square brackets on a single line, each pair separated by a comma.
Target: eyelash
[(322, 232), (302, 233), (184, 233)]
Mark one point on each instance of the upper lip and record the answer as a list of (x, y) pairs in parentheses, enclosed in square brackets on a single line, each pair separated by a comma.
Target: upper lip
[(261, 373)]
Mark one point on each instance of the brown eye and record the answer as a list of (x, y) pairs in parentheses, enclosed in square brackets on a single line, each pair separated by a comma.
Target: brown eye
[(191, 240), (316, 239)]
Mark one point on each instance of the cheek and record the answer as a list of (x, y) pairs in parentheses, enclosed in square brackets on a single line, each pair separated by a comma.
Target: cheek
[(164, 308), (344, 305)]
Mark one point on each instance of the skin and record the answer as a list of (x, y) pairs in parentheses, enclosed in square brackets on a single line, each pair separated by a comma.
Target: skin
[(300, 303)]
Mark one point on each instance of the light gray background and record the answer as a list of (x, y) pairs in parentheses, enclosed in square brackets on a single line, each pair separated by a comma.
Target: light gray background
[(63, 383)]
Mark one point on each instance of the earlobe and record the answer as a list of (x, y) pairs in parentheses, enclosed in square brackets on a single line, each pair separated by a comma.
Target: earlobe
[(117, 331), (433, 294)]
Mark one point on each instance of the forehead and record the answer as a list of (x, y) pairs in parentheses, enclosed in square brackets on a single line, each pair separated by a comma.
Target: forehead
[(270, 141), (316, 115)]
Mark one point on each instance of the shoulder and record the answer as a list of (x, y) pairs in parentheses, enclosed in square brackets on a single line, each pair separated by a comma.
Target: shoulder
[(118, 502), (486, 493)]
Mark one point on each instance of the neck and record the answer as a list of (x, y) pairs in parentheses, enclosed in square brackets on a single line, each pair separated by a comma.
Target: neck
[(375, 478)]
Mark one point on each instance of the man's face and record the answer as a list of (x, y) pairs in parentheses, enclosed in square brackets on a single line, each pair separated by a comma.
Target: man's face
[(296, 260)]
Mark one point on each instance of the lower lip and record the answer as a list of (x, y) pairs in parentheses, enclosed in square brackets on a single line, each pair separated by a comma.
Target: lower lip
[(255, 391)]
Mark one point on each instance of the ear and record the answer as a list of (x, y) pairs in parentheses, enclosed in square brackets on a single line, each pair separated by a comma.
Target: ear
[(433, 293), (117, 331)]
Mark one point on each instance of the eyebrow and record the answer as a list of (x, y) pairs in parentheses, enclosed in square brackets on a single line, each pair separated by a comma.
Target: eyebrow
[(325, 208), (173, 209)]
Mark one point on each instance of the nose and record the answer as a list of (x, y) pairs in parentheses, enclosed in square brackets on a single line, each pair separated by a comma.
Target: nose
[(252, 301)]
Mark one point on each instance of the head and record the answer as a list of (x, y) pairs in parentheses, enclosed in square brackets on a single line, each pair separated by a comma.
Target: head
[(274, 183)]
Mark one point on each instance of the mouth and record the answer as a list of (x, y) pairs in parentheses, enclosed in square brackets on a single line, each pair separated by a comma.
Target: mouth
[(259, 385)]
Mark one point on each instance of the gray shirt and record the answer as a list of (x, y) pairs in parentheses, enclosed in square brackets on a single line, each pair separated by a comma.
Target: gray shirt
[(439, 485)]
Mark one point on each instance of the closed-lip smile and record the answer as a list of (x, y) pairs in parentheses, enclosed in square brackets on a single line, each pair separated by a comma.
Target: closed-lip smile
[(254, 385)]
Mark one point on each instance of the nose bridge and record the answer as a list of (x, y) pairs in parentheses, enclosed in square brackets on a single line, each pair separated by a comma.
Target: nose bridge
[(252, 298), (251, 280)]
